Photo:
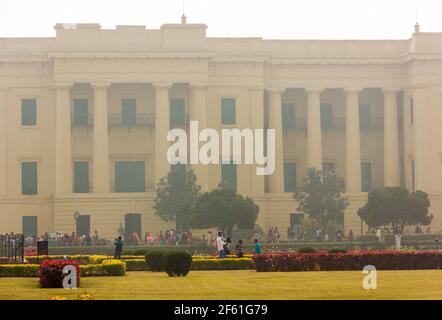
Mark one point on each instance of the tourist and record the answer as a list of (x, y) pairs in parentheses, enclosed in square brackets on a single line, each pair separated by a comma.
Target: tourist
[(428, 231), (351, 236), (338, 235), (227, 246), (239, 249), (258, 249), (418, 230), (318, 234), (220, 245), (118, 247)]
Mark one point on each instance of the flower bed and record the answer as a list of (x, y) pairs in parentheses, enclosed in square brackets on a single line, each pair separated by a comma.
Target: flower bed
[(51, 273), (222, 264), (353, 260)]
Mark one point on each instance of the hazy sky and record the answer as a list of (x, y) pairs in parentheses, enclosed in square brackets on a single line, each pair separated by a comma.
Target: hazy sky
[(270, 19)]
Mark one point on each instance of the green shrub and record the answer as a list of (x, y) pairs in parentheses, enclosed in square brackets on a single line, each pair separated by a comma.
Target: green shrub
[(19, 270), (306, 250), (337, 250), (136, 265), (154, 260), (177, 264), (113, 267)]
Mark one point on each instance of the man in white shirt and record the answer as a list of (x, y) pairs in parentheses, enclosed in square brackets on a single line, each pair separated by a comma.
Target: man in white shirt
[(220, 245)]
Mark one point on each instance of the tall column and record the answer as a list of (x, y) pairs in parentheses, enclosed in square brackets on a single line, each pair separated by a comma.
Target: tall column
[(100, 182), (162, 127), (198, 113), (276, 180), (257, 122), (353, 142), (314, 139), (421, 112), (63, 140), (3, 150), (391, 139)]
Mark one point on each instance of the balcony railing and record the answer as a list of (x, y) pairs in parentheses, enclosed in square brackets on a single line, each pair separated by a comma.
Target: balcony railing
[(338, 123), (143, 120)]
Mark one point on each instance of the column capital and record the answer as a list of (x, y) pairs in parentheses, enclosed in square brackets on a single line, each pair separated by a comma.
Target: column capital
[(256, 88), (162, 85), (198, 85), (100, 85), (314, 90), (391, 90), (63, 85), (353, 90), (276, 90)]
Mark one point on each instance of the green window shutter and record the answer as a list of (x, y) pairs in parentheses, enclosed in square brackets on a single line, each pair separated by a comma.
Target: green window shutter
[(289, 177), (29, 225), (130, 176), (128, 112), (81, 177), (177, 113), (326, 116), (81, 112), (29, 112), (328, 167), (288, 115), (366, 177), (29, 178), (228, 174), (364, 116), (228, 112)]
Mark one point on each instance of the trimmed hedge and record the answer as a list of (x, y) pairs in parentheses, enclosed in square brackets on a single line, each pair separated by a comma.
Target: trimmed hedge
[(154, 260), (82, 259), (51, 273), (222, 264), (177, 264), (108, 267), (19, 270), (354, 260)]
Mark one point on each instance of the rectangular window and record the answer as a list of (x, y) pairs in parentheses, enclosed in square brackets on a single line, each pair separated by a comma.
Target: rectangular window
[(411, 111), (288, 116), (228, 111), (366, 176), (326, 116), (228, 174), (364, 116), (289, 177), (328, 167), (177, 113), (29, 226), (81, 112), (29, 183), (128, 112), (130, 176), (29, 112), (81, 177)]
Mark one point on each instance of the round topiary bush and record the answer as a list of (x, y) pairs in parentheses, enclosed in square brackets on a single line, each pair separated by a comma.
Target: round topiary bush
[(306, 250), (177, 263), (337, 250), (154, 260)]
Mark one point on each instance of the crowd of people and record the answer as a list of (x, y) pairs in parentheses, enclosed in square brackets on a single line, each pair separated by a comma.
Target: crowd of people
[(169, 237)]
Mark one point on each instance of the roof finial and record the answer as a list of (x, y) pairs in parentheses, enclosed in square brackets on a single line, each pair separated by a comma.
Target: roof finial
[(416, 26), (183, 17)]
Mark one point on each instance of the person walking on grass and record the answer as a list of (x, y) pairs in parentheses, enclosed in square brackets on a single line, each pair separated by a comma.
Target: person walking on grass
[(220, 245), (118, 247), (239, 250), (258, 249)]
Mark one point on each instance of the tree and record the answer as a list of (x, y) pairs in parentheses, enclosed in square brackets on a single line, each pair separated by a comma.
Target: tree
[(397, 207), (320, 198), (223, 208), (176, 195)]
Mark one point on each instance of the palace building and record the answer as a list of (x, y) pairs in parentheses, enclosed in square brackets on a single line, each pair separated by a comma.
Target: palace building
[(84, 117)]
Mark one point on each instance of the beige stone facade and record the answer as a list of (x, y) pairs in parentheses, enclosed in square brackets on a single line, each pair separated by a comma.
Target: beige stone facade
[(400, 81)]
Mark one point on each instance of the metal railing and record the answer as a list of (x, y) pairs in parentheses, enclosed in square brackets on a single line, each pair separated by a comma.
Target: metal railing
[(12, 250)]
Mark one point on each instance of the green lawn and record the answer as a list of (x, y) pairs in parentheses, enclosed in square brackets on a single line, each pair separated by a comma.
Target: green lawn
[(239, 285)]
